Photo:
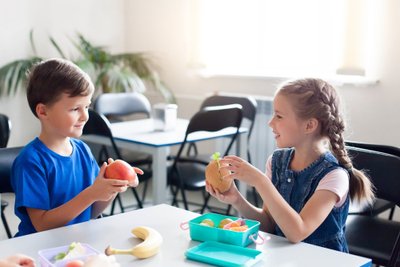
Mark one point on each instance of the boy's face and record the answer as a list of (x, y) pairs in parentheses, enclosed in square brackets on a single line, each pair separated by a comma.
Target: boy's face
[(66, 117)]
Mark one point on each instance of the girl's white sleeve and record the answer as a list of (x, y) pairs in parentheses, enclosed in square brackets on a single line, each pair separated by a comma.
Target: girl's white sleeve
[(336, 181), (268, 167)]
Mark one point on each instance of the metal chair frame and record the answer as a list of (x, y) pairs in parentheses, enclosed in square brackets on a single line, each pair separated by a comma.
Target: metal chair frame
[(210, 119), (99, 125)]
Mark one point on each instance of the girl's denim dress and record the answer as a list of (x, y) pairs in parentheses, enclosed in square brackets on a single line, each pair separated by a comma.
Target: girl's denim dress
[(298, 187)]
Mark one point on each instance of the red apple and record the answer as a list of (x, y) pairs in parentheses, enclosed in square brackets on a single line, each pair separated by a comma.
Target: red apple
[(119, 169), (75, 263)]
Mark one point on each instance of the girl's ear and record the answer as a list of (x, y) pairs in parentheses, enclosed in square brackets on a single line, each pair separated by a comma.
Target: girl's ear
[(312, 125)]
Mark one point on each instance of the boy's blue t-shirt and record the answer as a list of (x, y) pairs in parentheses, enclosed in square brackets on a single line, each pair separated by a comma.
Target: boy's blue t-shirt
[(43, 179)]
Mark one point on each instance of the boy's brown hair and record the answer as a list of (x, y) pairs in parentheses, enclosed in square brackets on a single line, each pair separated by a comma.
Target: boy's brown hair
[(49, 79)]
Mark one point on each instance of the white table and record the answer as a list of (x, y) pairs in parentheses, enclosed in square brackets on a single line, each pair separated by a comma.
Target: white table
[(139, 135), (115, 231)]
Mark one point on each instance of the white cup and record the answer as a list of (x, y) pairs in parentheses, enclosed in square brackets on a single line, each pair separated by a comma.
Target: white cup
[(165, 116)]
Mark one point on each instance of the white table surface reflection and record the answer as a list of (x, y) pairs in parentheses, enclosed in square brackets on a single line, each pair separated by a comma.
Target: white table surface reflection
[(139, 135)]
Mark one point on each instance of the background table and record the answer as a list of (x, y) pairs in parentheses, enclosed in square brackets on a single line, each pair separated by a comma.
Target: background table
[(139, 135), (115, 231)]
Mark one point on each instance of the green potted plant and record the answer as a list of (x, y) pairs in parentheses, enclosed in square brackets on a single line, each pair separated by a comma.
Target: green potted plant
[(110, 72)]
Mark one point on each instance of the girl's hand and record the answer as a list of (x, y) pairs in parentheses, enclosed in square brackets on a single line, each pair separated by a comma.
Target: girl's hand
[(229, 197), (105, 189), (240, 170)]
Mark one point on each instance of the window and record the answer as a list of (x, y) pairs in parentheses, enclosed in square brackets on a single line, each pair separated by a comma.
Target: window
[(281, 38)]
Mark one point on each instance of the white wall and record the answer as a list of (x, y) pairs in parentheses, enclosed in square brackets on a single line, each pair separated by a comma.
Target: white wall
[(100, 21), (163, 29)]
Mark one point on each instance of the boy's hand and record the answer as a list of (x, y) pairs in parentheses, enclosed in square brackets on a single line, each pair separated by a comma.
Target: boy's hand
[(135, 182), (137, 170), (105, 189)]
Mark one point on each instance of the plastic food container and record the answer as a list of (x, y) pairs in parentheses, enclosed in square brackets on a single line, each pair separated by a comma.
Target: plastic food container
[(221, 254), (201, 232), (47, 256)]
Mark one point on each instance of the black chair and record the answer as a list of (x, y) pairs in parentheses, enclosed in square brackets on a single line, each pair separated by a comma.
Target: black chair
[(7, 157), (188, 173), (375, 237), (249, 109), (98, 125), (5, 129), (118, 107), (380, 205)]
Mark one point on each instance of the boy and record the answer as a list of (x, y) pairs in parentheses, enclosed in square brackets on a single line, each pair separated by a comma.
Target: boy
[(56, 179)]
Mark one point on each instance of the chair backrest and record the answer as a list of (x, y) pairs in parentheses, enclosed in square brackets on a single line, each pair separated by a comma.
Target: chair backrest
[(5, 129), (116, 105), (249, 106), (212, 119), (383, 170), (7, 157), (99, 125), (376, 147)]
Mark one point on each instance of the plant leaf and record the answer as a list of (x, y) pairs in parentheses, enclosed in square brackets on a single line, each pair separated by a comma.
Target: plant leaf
[(14, 73), (33, 46), (57, 47)]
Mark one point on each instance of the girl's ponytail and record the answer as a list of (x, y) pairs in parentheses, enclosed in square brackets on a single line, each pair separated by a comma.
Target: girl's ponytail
[(361, 188)]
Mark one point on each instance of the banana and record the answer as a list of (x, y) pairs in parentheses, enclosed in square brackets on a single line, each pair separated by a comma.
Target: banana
[(150, 246)]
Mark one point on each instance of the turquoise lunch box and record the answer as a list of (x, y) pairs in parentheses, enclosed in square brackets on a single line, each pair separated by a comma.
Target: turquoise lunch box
[(201, 232)]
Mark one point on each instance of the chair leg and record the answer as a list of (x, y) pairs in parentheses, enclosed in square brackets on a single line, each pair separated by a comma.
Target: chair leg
[(113, 205), (121, 206), (184, 199), (395, 252), (137, 198), (174, 196), (3, 218), (117, 199), (205, 205), (391, 213), (144, 191), (255, 195), (228, 210)]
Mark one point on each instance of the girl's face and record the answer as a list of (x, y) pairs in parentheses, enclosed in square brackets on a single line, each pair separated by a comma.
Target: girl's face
[(287, 127), (68, 116)]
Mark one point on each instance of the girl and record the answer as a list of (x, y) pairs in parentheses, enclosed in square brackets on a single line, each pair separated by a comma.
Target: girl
[(310, 179)]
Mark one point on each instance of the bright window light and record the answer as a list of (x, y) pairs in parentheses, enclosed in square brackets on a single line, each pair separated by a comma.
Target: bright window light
[(281, 38)]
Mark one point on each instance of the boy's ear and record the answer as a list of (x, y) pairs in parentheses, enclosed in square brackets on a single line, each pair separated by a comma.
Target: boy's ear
[(41, 110), (312, 125)]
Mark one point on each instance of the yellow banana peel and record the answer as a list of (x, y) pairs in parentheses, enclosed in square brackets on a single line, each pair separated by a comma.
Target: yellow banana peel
[(150, 246)]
